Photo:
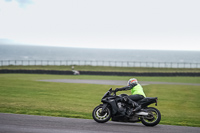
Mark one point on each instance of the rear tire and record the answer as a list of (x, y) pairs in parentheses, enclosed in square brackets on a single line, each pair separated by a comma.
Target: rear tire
[(101, 118), (153, 118)]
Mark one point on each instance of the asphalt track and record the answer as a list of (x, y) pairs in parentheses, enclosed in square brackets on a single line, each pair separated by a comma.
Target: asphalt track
[(17, 123), (112, 82)]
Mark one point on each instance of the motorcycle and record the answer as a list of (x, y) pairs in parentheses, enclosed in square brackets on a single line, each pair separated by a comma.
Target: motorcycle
[(118, 111)]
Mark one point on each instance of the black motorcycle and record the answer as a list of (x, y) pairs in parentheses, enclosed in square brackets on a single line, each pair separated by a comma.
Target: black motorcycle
[(114, 108)]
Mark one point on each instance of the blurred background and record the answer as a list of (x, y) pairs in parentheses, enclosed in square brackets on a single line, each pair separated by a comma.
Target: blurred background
[(99, 37)]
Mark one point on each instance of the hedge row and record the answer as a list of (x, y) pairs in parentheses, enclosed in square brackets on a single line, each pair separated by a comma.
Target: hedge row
[(102, 73)]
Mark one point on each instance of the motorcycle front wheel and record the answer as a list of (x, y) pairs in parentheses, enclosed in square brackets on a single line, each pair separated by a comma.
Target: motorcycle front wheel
[(153, 117), (100, 117)]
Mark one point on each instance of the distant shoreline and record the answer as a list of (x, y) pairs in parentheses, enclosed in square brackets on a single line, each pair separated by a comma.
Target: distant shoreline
[(24, 52)]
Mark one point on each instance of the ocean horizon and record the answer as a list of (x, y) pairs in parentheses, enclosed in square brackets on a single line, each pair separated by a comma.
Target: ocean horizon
[(52, 53)]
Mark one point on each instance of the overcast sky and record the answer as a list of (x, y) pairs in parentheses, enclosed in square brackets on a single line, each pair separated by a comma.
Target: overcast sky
[(123, 24)]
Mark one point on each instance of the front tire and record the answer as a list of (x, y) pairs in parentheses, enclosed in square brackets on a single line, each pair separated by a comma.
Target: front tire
[(100, 117), (153, 118)]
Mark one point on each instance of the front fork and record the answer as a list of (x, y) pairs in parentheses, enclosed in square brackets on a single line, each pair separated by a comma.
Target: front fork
[(104, 108)]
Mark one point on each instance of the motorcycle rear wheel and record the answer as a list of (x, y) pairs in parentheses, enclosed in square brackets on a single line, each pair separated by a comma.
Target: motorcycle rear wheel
[(99, 117), (153, 118)]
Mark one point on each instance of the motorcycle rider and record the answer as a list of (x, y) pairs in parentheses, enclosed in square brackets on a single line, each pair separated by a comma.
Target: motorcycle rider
[(137, 94)]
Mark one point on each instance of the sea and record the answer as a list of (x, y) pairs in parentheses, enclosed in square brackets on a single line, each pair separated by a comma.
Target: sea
[(52, 53)]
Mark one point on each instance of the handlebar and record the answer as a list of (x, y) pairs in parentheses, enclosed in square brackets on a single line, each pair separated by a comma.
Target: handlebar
[(112, 91)]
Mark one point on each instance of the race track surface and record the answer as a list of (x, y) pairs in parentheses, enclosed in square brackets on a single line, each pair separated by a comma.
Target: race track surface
[(16, 123)]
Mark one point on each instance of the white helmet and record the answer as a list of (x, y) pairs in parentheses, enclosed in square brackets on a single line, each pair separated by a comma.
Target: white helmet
[(133, 80)]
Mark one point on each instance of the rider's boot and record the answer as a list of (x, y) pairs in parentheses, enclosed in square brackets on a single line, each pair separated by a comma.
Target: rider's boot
[(136, 107)]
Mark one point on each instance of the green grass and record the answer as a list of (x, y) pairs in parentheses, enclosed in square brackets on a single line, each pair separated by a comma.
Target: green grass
[(24, 94), (178, 104), (104, 68)]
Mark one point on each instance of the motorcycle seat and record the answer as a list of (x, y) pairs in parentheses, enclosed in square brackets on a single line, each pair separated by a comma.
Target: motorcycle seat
[(151, 98), (146, 99)]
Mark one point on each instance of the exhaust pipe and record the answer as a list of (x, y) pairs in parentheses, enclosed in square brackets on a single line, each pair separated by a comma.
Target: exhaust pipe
[(142, 113)]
